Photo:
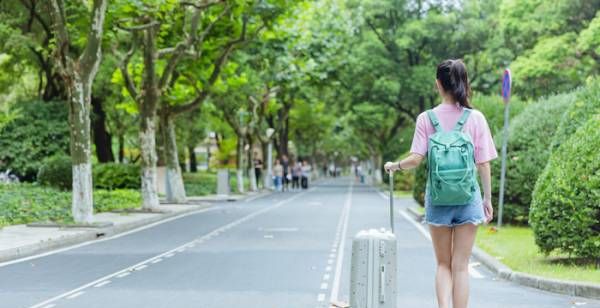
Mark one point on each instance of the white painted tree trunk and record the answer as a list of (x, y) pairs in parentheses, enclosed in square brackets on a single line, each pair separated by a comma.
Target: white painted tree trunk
[(253, 184), (240, 181), (174, 188), (148, 152), (377, 164)]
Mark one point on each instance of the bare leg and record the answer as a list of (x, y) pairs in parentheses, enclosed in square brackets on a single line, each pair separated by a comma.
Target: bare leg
[(464, 236), (442, 244)]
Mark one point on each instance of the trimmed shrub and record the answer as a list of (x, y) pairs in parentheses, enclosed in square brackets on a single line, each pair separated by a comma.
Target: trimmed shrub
[(530, 136), (117, 176), (200, 183), (587, 103), (565, 211), (40, 131), (56, 172)]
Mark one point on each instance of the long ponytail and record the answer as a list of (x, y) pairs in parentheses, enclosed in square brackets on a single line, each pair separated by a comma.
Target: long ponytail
[(452, 74)]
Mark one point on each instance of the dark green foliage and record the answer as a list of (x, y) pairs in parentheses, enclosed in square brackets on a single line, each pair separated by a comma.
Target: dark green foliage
[(530, 135), (56, 172), (420, 181), (40, 131), (25, 203), (200, 183), (565, 211), (493, 109), (587, 103), (116, 176)]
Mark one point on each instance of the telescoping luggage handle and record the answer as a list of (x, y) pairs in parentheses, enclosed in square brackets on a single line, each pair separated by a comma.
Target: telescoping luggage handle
[(392, 200)]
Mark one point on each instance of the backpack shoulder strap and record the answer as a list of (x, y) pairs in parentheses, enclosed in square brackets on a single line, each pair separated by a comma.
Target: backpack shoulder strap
[(434, 120), (463, 118)]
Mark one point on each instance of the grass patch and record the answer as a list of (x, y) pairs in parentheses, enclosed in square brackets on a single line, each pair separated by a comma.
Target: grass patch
[(25, 203), (516, 248), (402, 193)]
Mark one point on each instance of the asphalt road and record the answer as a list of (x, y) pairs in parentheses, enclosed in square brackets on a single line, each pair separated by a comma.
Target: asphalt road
[(285, 250)]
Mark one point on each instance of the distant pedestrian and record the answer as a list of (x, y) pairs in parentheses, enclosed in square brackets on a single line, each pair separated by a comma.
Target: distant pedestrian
[(453, 224), (277, 175), (305, 175), (285, 162), (258, 166), (296, 174)]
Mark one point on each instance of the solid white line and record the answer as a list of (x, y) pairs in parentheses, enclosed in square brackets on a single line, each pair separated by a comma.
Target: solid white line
[(74, 295), (123, 274), (105, 282), (165, 254), (110, 237), (156, 261), (141, 267), (169, 255), (49, 306), (335, 288), (416, 224)]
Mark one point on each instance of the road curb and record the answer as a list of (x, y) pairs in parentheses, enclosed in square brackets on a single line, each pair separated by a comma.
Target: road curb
[(581, 289), (87, 235)]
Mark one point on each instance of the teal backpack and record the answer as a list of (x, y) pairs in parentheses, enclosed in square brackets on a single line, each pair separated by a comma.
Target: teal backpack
[(451, 163)]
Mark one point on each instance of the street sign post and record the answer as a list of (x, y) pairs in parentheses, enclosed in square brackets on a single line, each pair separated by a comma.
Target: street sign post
[(506, 92)]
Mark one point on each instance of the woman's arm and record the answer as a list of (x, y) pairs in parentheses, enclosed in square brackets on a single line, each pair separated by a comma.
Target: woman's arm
[(411, 161), (486, 182)]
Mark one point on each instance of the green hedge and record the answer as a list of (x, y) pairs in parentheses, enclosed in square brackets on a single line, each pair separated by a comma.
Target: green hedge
[(565, 212), (530, 136), (40, 131), (116, 176), (200, 183), (56, 172), (587, 103), (25, 203)]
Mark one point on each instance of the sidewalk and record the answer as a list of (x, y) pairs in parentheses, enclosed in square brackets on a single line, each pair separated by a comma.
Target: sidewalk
[(19, 241)]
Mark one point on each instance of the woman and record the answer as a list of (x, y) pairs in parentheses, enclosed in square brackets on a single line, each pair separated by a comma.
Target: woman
[(453, 228), (277, 175)]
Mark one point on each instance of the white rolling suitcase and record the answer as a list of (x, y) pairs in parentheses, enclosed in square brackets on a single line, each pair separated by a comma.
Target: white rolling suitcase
[(373, 281)]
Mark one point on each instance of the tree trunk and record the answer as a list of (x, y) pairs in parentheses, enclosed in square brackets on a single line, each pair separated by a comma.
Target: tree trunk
[(252, 171), (147, 106), (121, 148), (193, 160), (102, 139), (378, 163), (174, 189), (79, 120), (240, 165)]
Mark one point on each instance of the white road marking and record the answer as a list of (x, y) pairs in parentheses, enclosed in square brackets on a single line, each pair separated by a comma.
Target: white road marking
[(335, 288), (330, 261), (157, 260), (213, 208), (169, 255), (278, 229), (170, 252), (269, 236), (328, 269), (103, 283), (473, 272), (141, 267), (326, 277), (74, 295), (321, 297), (49, 306), (324, 286), (332, 255), (123, 274)]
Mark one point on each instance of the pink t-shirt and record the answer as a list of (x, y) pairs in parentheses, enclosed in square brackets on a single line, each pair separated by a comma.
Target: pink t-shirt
[(448, 115)]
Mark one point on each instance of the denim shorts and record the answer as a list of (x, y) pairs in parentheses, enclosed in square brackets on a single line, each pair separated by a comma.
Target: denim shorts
[(454, 215)]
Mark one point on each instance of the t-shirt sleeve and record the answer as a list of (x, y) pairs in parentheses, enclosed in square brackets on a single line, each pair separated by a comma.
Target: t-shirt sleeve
[(419, 142), (485, 150)]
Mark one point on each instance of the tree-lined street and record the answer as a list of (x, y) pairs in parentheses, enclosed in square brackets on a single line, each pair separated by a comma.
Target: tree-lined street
[(281, 250)]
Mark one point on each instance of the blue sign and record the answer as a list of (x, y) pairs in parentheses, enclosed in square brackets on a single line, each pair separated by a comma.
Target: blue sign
[(506, 85)]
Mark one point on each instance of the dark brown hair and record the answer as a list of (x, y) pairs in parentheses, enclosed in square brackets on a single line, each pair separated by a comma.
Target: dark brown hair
[(452, 74)]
